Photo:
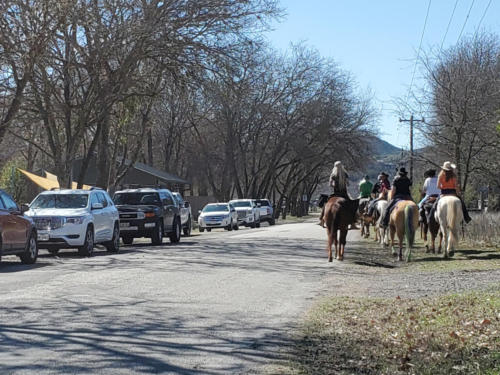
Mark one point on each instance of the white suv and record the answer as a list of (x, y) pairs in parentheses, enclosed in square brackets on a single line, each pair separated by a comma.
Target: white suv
[(75, 219), (248, 212)]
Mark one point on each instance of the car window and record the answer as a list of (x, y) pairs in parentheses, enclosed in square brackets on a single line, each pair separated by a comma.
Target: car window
[(2, 206), (102, 199), (263, 202), (241, 204), (9, 202), (168, 200), (94, 199), (134, 198), (60, 201), (216, 208)]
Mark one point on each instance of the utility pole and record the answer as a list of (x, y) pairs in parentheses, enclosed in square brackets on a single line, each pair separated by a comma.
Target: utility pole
[(411, 121)]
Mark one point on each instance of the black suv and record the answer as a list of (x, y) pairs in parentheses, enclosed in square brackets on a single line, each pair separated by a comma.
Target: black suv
[(148, 212)]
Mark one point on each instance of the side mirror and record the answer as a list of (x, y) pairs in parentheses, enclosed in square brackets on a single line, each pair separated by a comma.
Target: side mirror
[(199, 212), (186, 204), (24, 208), (97, 206)]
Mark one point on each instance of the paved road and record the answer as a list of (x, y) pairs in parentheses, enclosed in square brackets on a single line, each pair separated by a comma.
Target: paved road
[(217, 303)]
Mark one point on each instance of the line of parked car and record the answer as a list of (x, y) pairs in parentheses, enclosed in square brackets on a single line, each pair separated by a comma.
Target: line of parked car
[(65, 218), (80, 219), (230, 215)]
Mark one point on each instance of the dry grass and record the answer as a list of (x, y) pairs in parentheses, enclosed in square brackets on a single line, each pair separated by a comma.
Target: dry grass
[(456, 334), (483, 230)]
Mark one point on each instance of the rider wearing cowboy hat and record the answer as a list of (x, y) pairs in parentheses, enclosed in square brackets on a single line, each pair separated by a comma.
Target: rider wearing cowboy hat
[(401, 191), (381, 187)]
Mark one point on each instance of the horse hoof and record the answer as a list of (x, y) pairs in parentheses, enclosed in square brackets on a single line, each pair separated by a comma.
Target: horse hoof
[(330, 259), (451, 253), (400, 258)]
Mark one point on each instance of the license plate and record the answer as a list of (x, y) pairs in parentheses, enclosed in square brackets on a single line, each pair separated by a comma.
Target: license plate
[(43, 237), (124, 225), (128, 228)]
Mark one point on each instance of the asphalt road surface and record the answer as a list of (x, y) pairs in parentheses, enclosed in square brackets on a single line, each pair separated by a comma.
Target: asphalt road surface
[(216, 303)]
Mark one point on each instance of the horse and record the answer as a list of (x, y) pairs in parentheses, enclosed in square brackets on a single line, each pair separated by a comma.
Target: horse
[(430, 225), (380, 231), (450, 215), (339, 213), (364, 219), (404, 221)]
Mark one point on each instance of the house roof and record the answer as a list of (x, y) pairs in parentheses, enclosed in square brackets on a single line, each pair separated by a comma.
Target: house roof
[(160, 174)]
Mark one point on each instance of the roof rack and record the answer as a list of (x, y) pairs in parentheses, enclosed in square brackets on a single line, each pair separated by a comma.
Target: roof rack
[(96, 188)]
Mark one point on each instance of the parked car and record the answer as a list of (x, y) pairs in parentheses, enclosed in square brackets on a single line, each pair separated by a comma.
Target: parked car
[(248, 212), (218, 215), (148, 212), (75, 219), (266, 211), (185, 212), (17, 232)]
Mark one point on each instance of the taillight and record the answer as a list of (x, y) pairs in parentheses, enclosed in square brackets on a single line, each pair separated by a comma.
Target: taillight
[(149, 214)]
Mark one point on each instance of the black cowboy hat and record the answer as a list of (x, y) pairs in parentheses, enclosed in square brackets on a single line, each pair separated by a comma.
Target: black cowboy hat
[(384, 174), (430, 173), (402, 171)]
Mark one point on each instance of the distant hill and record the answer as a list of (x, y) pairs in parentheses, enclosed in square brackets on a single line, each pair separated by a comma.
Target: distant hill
[(383, 148)]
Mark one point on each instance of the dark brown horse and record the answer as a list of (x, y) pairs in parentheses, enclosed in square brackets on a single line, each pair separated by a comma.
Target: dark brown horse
[(431, 226), (339, 214)]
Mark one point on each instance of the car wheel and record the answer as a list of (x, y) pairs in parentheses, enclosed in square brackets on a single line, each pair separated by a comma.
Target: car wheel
[(201, 229), (209, 229), (176, 234), (187, 229), (127, 240), (236, 227), (257, 225), (272, 221), (113, 246), (31, 252), (230, 226), (157, 238), (252, 225), (87, 249), (53, 251)]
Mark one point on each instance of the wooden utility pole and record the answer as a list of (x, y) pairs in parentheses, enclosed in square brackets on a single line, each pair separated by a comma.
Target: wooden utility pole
[(411, 121)]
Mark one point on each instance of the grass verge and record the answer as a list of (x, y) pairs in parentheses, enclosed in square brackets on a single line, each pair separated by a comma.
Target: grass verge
[(455, 334)]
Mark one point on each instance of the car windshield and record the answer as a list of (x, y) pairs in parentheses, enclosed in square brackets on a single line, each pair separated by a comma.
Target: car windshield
[(137, 198), (216, 207), (263, 202), (241, 204), (60, 201)]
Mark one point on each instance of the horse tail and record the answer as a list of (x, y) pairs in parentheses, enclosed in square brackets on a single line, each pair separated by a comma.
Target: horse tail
[(409, 227), (452, 223)]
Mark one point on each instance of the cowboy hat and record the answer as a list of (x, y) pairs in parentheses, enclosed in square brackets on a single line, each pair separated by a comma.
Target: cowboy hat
[(337, 163), (402, 171), (448, 166)]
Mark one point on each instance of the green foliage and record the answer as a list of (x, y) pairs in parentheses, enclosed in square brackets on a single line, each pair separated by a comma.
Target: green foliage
[(13, 181), (416, 189)]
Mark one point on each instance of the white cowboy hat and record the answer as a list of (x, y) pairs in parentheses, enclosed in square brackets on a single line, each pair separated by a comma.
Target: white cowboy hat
[(337, 163), (448, 166)]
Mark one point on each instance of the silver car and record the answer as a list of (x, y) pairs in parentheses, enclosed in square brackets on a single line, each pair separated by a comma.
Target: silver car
[(218, 215)]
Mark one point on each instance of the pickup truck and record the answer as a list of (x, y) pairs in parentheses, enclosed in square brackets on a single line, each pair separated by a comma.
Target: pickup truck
[(248, 212), (185, 212), (266, 211)]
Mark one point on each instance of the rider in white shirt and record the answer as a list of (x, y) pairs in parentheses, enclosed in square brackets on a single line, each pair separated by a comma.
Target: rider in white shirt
[(430, 186)]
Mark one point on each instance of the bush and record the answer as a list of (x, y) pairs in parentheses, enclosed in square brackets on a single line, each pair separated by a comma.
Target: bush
[(13, 181), (484, 229)]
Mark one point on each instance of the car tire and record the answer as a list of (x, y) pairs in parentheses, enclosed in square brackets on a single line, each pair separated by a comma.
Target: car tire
[(236, 227), (272, 221), (201, 229), (257, 225), (113, 246), (128, 240), (53, 251), (31, 252), (188, 228), (157, 237), (175, 236), (209, 229), (87, 249), (252, 225), (230, 226)]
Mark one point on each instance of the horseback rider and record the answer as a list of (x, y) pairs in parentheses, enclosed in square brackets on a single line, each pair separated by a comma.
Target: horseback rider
[(430, 188), (338, 181), (365, 187), (400, 191), (380, 188), (448, 183)]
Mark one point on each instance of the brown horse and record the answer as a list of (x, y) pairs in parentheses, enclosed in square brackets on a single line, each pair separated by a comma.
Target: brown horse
[(364, 219), (339, 213), (404, 221), (430, 226)]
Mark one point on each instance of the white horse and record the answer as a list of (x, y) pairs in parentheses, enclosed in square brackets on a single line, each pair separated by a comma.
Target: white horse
[(449, 214), (381, 233)]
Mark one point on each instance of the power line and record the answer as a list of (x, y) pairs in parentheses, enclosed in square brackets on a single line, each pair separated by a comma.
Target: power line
[(465, 22), (419, 49), (448, 27), (482, 18)]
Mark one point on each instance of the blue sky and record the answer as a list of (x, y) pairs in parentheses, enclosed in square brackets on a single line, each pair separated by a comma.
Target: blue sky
[(377, 41)]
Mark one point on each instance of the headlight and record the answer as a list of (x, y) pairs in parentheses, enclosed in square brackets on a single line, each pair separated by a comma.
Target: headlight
[(140, 215), (249, 212), (76, 220)]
